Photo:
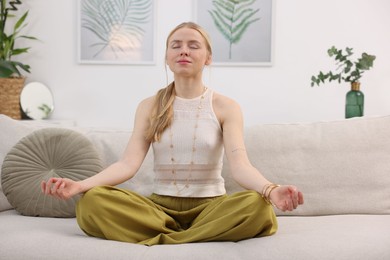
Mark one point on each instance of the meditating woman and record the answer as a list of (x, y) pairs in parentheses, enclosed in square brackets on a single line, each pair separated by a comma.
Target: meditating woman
[(190, 128)]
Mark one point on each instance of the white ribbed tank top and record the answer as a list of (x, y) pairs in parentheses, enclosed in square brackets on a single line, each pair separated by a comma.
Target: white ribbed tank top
[(202, 178)]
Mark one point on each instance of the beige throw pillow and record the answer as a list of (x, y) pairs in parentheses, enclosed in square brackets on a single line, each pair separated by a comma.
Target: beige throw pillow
[(45, 153)]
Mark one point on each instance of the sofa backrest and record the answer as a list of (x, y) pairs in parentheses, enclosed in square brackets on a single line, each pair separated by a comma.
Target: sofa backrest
[(342, 167)]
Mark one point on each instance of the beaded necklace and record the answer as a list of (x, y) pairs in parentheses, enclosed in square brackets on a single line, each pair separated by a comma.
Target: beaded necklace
[(194, 138)]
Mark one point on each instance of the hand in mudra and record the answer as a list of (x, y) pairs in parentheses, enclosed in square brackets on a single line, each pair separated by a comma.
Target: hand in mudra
[(61, 188), (286, 197)]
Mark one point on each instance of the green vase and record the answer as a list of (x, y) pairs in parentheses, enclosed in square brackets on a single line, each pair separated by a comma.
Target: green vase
[(354, 105)]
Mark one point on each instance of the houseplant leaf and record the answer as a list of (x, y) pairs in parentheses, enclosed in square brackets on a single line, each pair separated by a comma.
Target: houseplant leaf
[(8, 48), (346, 70)]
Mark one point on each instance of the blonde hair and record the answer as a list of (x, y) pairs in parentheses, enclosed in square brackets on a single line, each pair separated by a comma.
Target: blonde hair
[(162, 112)]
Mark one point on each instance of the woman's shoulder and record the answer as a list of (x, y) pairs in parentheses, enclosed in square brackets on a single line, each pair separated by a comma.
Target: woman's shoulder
[(225, 107), (145, 107), (224, 102), (147, 102)]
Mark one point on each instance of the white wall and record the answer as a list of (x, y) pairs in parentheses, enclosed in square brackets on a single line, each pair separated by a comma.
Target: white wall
[(107, 95)]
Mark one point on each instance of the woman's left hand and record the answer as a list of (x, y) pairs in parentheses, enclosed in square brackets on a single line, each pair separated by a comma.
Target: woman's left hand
[(286, 197)]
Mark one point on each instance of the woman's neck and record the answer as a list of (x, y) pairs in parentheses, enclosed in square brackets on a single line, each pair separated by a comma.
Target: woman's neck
[(189, 88)]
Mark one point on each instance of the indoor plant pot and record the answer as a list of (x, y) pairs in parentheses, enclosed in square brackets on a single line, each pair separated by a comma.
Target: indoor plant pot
[(10, 89), (11, 78), (349, 72)]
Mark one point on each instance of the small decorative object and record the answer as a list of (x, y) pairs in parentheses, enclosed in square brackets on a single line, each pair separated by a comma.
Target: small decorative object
[(36, 101), (11, 79), (348, 71), (354, 105)]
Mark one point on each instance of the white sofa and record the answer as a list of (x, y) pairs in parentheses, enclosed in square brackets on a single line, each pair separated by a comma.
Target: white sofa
[(342, 167)]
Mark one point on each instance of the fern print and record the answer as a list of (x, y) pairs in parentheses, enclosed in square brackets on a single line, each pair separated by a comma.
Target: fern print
[(232, 18), (118, 25)]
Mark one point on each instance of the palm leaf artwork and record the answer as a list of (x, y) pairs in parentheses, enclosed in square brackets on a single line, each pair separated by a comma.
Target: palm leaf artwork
[(117, 24), (232, 18)]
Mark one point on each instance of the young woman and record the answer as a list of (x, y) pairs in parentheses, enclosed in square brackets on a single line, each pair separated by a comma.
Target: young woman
[(190, 127)]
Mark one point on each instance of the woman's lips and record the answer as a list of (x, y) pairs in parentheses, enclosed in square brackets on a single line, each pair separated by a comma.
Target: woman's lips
[(183, 61)]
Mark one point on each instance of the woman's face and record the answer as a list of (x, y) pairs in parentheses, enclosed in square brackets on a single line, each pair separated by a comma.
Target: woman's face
[(187, 52)]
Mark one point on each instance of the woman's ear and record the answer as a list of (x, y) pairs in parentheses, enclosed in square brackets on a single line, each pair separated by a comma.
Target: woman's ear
[(208, 60)]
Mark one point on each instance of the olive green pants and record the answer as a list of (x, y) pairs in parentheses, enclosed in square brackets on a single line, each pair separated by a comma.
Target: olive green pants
[(122, 215)]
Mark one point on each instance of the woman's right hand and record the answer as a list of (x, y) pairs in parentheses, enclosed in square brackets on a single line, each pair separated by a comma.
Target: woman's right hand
[(61, 188)]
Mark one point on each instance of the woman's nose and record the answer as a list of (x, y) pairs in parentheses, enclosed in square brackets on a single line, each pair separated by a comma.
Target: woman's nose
[(185, 51)]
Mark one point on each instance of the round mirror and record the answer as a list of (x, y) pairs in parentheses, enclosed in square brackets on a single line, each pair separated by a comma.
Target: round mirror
[(36, 101)]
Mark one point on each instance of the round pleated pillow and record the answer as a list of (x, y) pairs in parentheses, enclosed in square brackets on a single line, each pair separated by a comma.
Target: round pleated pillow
[(46, 153)]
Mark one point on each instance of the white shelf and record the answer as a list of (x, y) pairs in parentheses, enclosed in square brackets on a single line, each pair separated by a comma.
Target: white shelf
[(57, 122)]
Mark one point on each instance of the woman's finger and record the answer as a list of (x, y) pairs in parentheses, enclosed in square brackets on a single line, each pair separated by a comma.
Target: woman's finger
[(300, 198), (49, 185), (56, 186), (43, 186), (294, 196)]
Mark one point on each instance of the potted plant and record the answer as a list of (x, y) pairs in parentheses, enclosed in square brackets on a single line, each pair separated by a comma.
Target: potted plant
[(347, 71), (11, 78)]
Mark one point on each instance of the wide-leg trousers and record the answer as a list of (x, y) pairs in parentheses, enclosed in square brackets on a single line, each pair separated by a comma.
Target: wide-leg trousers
[(118, 214)]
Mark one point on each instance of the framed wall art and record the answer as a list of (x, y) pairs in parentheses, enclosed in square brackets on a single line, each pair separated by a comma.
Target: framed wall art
[(241, 31), (116, 31)]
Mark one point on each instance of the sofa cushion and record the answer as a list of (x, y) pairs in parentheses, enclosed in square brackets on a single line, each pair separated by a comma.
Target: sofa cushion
[(45, 153), (342, 167), (348, 237), (10, 133), (4, 204)]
